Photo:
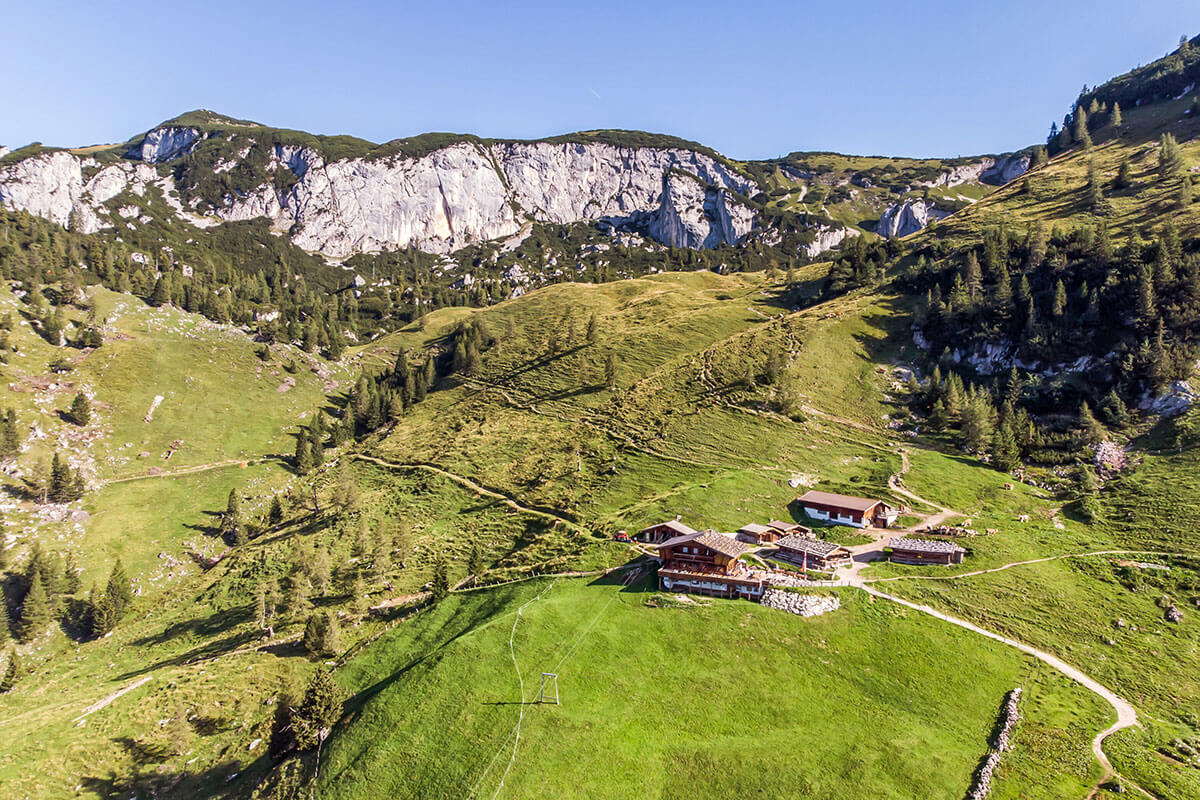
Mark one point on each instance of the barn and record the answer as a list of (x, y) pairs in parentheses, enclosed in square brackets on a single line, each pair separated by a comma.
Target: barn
[(754, 533), (924, 551), (814, 553), (663, 531), (843, 509)]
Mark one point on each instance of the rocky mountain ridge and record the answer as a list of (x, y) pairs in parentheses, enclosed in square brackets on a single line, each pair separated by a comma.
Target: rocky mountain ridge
[(462, 192)]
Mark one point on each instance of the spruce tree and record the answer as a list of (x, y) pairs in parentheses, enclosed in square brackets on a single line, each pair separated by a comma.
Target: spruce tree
[(81, 410), (5, 622), (1170, 160), (303, 459), (10, 437), (1115, 119), (10, 672), (1080, 131), (1093, 432), (440, 585), (275, 515), (232, 526), (36, 610), (317, 712), (1124, 177), (60, 480)]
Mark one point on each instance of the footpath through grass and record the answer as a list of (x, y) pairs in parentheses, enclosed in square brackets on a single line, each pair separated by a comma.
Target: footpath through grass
[(675, 699)]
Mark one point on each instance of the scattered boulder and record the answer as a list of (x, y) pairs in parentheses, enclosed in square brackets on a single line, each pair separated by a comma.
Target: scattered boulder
[(803, 605)]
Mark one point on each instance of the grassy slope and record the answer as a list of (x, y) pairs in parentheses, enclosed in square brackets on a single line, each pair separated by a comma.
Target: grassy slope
[(688, 701)]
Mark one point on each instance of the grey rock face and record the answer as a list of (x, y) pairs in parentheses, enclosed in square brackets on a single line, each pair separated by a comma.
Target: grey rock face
[(903, 219), (165, 144), (827, 238)]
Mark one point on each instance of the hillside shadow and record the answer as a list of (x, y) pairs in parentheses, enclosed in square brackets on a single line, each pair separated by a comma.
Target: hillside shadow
[(149, 781)]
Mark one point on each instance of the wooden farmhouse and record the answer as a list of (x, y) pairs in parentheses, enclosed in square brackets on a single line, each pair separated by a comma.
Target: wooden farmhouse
[(707, 563), (655, 534), (841, 509), (789, 529), (924, 551), (812, 553), (753, 533)]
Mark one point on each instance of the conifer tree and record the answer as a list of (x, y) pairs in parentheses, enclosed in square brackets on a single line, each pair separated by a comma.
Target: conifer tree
[(81, 410), (10, 437), (1095, 190), (318, 711), (1115, 119), (303, 459), (593, 324), (1170, 160), (1080, 131), (1093, 432), (275, 515), (5, 623), (475, 560), (232, 525), (1184, 199), (59, 489), (36, 610), (11, 669), (440, 585), (1124, 177), (161, 294)]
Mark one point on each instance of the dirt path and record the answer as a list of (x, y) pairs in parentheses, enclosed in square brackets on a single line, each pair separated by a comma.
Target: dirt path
[(1126, 714), (107, 700), (473, 486), (1003, 567), (175, 473)]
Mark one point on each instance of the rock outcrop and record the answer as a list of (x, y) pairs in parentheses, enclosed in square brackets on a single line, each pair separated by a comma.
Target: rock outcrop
[(826, 238), (165, 144), (903, 219), (692, 214), (989, 170)]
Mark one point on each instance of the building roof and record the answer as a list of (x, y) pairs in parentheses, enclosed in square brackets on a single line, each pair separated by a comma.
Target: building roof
[(786, 527), (925, 546), (755, 529), (839, 501), (814, 547), (717, 542), (674, 525)]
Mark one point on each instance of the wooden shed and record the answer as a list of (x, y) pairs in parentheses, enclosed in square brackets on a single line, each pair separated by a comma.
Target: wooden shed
[(924, 551), (814, 553)]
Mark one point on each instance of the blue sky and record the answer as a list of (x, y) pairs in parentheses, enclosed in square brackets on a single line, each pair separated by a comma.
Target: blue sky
[(754, 79)]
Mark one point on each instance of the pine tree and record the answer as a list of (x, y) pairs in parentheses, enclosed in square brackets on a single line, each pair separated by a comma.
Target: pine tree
[(275, 515), (36, 610), (1080, 132), (161, 294), (1095, 190), (1093, 432), (119, 593), (10, 437), (81, 410), (303, 459), (9, 680), (1059, 306), (1115, 119), (59, 488), (1170, 160), (440, 585), (5, 623), (317, 712), (1184, 199), (1006, 453), (1124, 177), (362, 602), (475, 560), (232, 525)]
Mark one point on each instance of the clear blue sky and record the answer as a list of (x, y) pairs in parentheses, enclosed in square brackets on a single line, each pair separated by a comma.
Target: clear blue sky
[(754, 79)]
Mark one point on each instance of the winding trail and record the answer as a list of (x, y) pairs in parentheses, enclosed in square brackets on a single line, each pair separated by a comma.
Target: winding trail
[(873, 551), (1126, 714), (508, 500)]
